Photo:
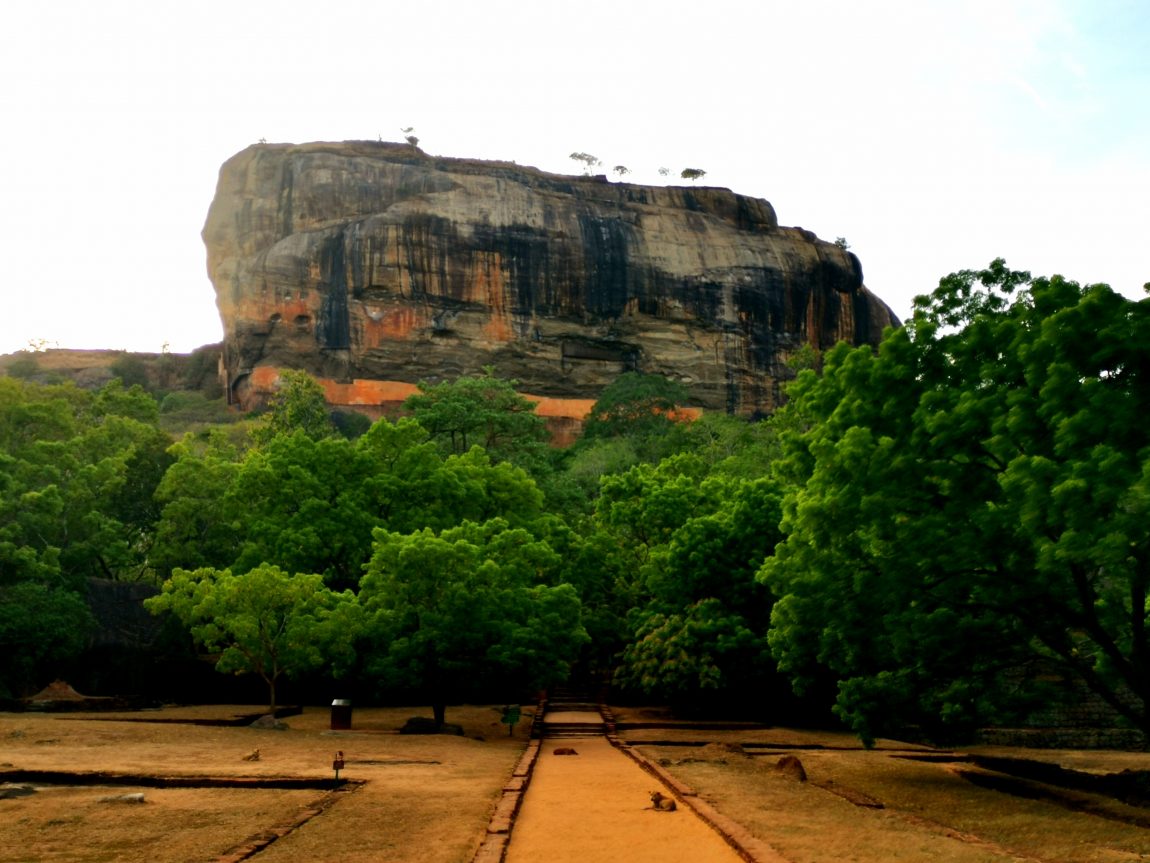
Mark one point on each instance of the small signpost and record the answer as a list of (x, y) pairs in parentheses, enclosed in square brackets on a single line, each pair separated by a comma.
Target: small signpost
[(337, 764), (510, 717)]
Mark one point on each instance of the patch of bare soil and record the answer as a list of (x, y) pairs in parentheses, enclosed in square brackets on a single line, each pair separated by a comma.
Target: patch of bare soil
[(424, 798)]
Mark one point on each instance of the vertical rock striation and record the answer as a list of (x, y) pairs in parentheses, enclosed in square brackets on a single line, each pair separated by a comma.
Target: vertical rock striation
[(375, 266)]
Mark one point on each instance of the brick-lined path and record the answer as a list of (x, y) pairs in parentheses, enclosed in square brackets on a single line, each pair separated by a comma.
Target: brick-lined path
[(589, 808)]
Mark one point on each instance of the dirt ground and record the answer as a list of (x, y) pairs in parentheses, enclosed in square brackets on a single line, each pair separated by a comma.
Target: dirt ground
[(886, 804), (595, 806), (424, 798), (418, 799)]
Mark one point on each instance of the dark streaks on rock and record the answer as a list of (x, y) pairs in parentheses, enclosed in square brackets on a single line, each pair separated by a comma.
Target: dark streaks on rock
[(366, 261)]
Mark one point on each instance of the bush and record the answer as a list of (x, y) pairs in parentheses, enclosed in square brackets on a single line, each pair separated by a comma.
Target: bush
[(183, 410)]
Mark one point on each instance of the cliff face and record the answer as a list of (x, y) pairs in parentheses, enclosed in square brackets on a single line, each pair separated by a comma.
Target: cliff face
[(371, 265)]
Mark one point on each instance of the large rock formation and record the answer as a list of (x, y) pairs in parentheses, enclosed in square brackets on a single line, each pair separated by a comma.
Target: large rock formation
[(375, 266)]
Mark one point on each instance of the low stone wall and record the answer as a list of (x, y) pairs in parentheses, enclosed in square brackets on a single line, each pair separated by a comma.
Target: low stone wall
[(1064, 738), (747, 846), (494, 845)]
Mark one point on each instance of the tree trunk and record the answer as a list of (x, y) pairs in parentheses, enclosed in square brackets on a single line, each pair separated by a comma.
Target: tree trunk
[(439, 711), (271, 681)]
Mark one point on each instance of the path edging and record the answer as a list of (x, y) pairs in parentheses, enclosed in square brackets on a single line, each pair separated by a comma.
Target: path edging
[(493, 848), (747, 846)]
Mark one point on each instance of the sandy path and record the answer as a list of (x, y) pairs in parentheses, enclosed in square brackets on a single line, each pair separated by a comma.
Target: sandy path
[(589, 808)]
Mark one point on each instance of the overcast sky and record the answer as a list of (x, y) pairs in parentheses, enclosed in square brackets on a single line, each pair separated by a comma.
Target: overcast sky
[(933, 136)]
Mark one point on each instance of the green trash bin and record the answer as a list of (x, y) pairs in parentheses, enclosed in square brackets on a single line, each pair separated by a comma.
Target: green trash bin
[(340, 714)]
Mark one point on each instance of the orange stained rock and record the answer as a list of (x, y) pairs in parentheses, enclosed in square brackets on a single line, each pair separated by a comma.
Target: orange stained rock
[(489, 288), (686, 415), (394, 324), (263, 379), (363, 392), (578, 409), (367, 393)]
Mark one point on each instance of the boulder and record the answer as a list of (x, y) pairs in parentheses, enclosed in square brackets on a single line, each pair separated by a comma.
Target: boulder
[(375, 266), (11, 790)]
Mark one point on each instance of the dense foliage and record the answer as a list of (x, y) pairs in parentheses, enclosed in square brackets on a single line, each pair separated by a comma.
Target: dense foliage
[(924, 532), (266, 622), (971, 504), (78, 471), (473, 604)]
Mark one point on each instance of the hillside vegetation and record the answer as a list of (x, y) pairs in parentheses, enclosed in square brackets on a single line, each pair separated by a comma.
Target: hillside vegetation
[(924, 539)]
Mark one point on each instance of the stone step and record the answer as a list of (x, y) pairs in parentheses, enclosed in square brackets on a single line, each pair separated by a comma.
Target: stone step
[(573, 729), (582, 706)]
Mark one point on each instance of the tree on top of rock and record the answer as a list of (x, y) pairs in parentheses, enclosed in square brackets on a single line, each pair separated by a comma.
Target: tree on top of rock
[(590, 163)]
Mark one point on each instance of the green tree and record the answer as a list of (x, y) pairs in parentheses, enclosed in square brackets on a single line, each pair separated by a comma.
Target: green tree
[(642, 409), (79, 474), (473, 604), (299, 404), (480, 410), (309, 505), (574, 488), (408, 485), (131, 370), (350, 424), (973, 498), (41, 627), (200, 523), (731, 445), (132, 460), (266, 622), (692, 174), (302, 507), (24, 366), (696, 541)]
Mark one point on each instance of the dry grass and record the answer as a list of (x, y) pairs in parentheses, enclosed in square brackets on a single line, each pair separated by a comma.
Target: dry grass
[(929, 811), (426, 798)]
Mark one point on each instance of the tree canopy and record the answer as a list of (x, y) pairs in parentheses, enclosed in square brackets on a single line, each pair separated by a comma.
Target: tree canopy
[(972, 500), (696, 538), (480, 410), (77, 473), (266, 621), (469, 604), (933, 528), (298, 404)]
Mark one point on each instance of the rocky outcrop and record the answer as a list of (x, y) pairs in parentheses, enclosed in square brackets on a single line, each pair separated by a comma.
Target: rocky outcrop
[(375, 266)]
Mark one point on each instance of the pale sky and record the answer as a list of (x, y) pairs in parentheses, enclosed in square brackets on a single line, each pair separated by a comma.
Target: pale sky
[(933, 136)]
